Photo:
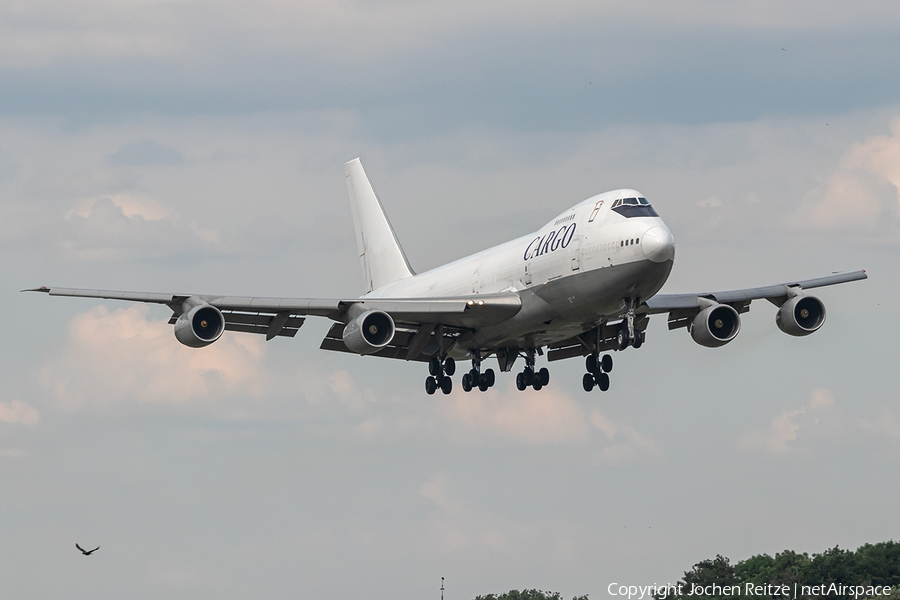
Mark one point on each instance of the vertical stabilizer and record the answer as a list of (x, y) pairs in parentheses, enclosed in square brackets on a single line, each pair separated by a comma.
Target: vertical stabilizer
[(382, 258)]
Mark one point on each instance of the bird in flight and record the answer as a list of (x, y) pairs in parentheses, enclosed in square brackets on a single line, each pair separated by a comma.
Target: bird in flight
[(87, 552)]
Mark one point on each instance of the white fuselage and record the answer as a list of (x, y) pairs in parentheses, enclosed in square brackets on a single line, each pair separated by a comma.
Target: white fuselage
[(572, 273)]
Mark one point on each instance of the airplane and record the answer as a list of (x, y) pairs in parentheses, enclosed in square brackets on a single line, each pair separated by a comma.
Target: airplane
[(584, 284)]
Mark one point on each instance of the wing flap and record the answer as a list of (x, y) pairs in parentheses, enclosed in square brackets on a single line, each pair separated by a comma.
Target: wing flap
[(397, 348)]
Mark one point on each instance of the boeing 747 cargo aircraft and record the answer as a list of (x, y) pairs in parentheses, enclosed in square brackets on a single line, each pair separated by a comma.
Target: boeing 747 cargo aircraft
[(583, 285)]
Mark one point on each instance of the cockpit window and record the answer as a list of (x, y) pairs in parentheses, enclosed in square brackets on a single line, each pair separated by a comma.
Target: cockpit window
[(634, 207)]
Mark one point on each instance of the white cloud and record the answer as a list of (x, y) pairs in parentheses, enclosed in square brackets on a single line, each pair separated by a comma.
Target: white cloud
[(626, 444), (121, 227), (819, 426), (18, 412), (864, 190), (132, 206), (437, 489), (115, 356)]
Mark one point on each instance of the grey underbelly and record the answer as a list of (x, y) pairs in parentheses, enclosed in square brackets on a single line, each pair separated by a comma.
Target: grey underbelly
[(570, 305)]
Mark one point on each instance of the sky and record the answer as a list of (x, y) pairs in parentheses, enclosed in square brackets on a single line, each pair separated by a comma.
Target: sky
[(196, 146)]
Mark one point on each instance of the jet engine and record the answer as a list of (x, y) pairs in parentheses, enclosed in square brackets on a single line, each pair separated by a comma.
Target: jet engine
[(369, 332), (200, 326), (715, 326), (801, 315)]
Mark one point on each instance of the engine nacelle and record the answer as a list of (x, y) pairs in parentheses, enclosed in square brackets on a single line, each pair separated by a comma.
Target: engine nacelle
[(369, 332), (801, 315), (200, 326), (715, 326)]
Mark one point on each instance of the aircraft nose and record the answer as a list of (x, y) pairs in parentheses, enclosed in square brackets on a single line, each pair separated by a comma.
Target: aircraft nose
[(658, 244)]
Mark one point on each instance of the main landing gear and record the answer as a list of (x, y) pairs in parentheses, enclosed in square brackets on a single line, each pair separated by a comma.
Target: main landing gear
[(528, 376), (441, 372), (598, 370), (476, 379)]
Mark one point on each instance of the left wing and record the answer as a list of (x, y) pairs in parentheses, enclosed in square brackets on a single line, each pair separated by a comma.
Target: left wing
[(284, 316), (798, 314)]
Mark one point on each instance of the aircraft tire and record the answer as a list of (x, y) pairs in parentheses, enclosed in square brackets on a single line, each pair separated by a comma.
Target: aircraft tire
[(622, 338), (490, 377), (529, 376), (430, 385), (603, 382), (446, 385), (466, 383), (434, 366), (606, 363), (537, 384), (638, 339), (544, 376), (520, 382), (450, 367), (482, 385), (587, 382), (590, 363)]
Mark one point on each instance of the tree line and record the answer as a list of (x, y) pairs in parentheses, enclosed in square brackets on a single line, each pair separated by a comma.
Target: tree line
[(834, 574)]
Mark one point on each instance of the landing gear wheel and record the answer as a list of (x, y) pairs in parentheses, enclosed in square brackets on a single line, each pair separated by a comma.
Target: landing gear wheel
[(446, 385), (430, 385), (587, 382), (591, 364), (489, 377), (475, 377), (450, 367), (466, 383), (529, 375), (543, 376), (537, 385), (638, 339), (434, 366), (483, 384), (521, 384), (602, 381), (606, 363), (622, 338)]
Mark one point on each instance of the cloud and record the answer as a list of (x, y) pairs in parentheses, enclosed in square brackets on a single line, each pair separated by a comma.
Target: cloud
[(125, 355), (437, 489), (819, 426), (18, 412), (122, 227), (145, 152), (627, 445), (863, 192)]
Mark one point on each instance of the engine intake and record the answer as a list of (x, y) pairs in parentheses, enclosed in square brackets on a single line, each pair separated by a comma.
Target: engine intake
[(715, 326), (200, 326), (801, 315), (369, 332)]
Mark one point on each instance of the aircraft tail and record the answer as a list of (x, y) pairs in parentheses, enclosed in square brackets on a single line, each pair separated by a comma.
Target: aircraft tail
[(382, 258)]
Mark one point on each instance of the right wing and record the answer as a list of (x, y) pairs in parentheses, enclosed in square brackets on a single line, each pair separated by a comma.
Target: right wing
[(447, 316)]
